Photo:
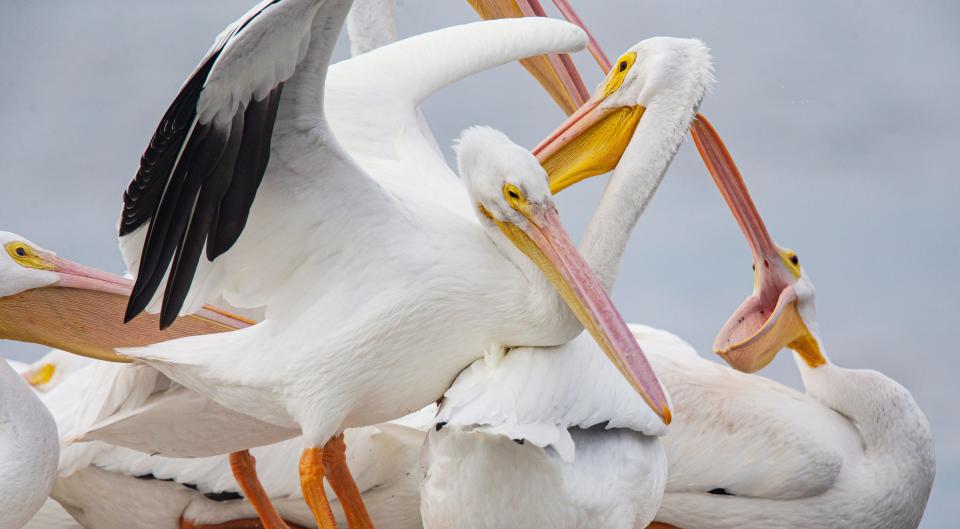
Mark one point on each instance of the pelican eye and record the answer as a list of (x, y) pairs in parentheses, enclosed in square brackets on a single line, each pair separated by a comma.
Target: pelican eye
[(514, 196), (619, 72), (26, 257), (791, 261)]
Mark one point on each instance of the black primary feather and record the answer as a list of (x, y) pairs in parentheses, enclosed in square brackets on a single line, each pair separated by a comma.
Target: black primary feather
[(188, 253), (142, 196), (196, 185), (248, 174)]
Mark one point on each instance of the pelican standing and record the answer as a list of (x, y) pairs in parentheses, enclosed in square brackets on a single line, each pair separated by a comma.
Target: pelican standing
[(555, 40), (352, 334), (157, 492)]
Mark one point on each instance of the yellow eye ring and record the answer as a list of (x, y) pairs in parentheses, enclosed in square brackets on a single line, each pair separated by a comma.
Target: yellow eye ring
[(791, 261), (619, 72), (25, 256), (513, 195)]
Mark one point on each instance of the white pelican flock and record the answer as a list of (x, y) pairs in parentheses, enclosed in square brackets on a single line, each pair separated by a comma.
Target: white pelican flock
[(326, 326)]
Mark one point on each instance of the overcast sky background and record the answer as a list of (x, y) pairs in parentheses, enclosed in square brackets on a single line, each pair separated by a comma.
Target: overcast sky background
[(841, 116)]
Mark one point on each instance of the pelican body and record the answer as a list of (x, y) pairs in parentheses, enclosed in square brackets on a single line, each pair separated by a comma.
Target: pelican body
[(28, 450), (854, 450)]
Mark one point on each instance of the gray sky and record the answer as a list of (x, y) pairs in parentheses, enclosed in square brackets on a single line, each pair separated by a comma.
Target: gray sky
[(840, 116)]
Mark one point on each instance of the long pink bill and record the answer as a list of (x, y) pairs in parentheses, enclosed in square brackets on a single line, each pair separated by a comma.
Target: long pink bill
[(580, 288), (767, 320)]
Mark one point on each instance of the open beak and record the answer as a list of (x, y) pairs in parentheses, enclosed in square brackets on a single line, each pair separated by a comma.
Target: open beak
[(590, 142), (768, 320), (82, 313), (548, 245), (555, 72)]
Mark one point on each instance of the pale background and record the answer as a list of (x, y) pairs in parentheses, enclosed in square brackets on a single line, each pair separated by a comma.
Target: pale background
[(842, 117)]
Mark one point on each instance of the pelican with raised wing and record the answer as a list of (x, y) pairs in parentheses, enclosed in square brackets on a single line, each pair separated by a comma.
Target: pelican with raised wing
[(376, 295), (97, 405)]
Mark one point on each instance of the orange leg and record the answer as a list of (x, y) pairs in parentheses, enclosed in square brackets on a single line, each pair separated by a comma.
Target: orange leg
[(660, 525), (244, 468), (246, 523), (311, 481), (340, 479)]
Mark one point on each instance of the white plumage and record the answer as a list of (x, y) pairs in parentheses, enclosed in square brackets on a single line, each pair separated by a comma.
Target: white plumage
[(28, 450), (543, 437), (153, 492), (584, 423), (853, 451)]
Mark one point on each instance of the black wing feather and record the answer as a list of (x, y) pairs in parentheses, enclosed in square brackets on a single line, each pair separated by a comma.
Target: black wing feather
[(188, 253), (196, 185), (166, 227), (250, 168), (142, 196)]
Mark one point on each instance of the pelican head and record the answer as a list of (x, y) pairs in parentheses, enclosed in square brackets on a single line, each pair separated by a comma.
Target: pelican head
[(780, 312), (25, 266), (669, 73), (510, 190), (51, 301)]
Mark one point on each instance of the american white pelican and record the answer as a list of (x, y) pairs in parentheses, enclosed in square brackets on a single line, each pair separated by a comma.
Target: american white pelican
[(590, 455), (369, 311), (28, 448), (855, 450)]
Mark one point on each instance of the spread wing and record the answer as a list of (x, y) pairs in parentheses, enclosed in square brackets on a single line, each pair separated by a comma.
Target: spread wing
[(201, 173)]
